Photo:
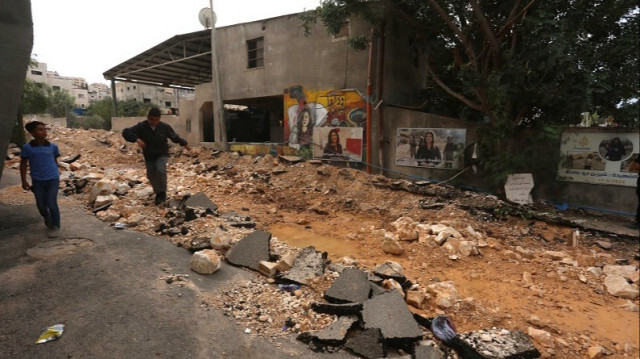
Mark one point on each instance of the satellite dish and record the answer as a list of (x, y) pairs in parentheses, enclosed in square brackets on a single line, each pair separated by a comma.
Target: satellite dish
[(204, 16)]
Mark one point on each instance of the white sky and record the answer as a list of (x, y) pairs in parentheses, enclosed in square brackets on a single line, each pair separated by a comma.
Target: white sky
[(84, 38)]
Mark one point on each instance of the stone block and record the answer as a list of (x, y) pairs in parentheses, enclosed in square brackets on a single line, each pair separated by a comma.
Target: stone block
[(205, 262)]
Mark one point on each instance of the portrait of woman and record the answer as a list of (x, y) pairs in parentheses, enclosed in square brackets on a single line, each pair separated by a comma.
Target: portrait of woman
[(305, 127), (427, 150), (333, 146), (615, 150)]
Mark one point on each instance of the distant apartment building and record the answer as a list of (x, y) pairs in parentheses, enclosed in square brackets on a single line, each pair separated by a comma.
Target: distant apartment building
[(98, 91), (76, 86), (167, 99)]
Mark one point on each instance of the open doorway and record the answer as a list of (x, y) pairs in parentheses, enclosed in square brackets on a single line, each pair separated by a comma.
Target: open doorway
[(206, 120), (255, 120)]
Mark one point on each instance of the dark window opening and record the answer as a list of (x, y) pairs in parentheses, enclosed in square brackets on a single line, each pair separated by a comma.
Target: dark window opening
[(255, 52), (55, 88), (146, 100), (167, 103), (36, 72)]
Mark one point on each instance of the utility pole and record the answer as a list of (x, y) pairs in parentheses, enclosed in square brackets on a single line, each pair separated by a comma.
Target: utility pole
[(221, 131)]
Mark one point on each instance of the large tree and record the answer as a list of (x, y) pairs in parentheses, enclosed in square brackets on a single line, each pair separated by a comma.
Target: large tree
[(514, 65)]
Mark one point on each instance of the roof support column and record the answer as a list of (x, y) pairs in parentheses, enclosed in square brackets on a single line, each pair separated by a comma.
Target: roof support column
[(113, 98)]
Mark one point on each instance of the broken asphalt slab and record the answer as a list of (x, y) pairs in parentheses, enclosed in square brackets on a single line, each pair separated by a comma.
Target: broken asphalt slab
[(351, 286), (335, 333), (501, 344), (389, 313), (367, 343), (111, 292), (200, 200), (308, 265), (250, 250)]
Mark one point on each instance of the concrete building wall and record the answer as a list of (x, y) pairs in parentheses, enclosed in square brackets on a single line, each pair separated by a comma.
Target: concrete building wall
[(81, 97), (315, 62)]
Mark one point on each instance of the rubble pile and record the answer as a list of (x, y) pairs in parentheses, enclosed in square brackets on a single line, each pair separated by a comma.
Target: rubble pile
[(479, 260)]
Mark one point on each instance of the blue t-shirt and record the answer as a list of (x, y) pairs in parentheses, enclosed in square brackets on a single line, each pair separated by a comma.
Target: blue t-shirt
[(42, 160)]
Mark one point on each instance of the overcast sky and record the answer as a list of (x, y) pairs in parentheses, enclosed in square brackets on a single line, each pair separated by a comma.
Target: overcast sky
[(84, 38)]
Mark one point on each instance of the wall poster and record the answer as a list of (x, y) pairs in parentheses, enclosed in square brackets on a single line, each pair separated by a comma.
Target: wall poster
[(431, 147), (598, 157), (310, 116)]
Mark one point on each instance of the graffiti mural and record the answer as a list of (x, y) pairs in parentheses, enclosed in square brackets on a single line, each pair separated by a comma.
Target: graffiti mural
[(309, 116), (431, 147)]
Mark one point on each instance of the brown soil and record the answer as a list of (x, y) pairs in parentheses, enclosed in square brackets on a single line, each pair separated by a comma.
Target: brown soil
[(336, 209)]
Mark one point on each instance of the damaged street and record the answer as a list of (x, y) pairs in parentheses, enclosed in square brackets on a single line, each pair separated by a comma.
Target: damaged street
[(311, 259)]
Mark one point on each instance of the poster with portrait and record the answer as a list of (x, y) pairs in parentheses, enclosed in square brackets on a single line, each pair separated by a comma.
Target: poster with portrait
[(338, 143), (307, 110), (441, 148), (598, 157)]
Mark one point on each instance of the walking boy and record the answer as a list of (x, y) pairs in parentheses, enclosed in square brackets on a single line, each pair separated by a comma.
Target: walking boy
[(42, 158), (151, 135)]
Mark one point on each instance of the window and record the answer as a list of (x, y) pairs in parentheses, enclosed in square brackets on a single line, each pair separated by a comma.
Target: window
[(55, 88), (134, 87), (167, 103), (36, 72), (255, 51), (80, 95), (146, 100), (128, 88)]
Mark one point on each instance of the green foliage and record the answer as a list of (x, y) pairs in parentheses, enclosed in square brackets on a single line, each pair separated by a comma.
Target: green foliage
[(132, 108), (60, 102), (34, 98), (514, 67), (103, 109)]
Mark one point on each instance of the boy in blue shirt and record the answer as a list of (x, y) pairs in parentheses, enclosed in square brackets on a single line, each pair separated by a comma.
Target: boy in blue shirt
[(42, 157)]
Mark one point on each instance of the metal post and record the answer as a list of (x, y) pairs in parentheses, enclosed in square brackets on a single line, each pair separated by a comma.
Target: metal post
[(114, 101), (221, 134)]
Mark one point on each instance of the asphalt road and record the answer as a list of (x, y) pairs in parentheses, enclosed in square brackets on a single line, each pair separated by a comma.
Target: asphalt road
[(107, 286)]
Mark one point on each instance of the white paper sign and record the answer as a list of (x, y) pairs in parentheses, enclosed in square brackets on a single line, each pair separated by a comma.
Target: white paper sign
[(518, 188)]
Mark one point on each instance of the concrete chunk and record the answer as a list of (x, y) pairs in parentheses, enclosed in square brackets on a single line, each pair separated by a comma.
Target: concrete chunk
[(501, 344), (286, 262), (267, 268), (351, 286), (390, 270), (367, 343), (308, 265), (250, 250), (205, 262), (389, 313), (201, 200)]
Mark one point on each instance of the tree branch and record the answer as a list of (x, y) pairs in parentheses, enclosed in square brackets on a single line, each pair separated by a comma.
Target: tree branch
[(515, 18), (463, 39), (448, 90), (486, 29)]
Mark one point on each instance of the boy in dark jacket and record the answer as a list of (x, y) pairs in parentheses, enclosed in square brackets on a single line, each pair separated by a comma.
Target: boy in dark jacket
[(151, 135), (42, 158)]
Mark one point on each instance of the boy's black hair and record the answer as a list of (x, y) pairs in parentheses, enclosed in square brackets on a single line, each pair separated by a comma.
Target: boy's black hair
[(154, 112), (31, 126)]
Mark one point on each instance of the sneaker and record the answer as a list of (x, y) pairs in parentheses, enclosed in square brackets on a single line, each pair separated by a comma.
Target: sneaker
[(48, 222), (53, 232)]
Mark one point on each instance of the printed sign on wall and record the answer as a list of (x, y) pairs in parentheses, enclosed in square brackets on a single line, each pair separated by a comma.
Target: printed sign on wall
[(599, 158), (431, 147), (338, 143)]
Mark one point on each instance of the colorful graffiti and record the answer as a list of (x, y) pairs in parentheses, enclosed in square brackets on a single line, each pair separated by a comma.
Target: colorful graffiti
[(310, 115)]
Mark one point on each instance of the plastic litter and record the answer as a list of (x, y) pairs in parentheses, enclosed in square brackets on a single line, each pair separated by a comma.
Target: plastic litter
[(119, 225), (443, 328), (288, 287), (52, 333)]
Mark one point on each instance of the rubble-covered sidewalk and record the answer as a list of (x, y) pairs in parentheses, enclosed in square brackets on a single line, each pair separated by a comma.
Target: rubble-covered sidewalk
[(531, 279)]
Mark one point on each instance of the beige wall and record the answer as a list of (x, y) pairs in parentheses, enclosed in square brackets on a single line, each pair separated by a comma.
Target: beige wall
[(46, 119)]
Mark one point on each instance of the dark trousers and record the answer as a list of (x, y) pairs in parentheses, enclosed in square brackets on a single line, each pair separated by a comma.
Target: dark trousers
[(46, 193), (157, 174)]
